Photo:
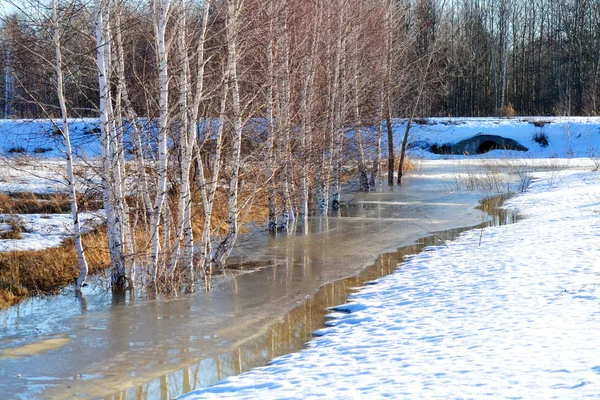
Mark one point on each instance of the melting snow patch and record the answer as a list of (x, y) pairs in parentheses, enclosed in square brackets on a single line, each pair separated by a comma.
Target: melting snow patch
[(43, 231)]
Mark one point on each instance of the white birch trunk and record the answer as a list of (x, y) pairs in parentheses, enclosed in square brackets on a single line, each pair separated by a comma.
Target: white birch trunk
[(184, 228), (120, 190), (125, 109), (161, 11), (270, 156), (226, 245), (208, 189), (337, 120), (107, 139), (362, 164), (116, 180), (288, 214), (306, 119), (376, 170), (83, 266)]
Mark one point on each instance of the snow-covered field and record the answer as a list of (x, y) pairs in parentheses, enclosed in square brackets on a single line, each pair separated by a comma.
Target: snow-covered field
[(510, 312), (37, 137), (40, 176)]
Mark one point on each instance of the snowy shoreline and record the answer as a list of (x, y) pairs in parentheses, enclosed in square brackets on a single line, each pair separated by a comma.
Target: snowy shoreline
[(516, 316)]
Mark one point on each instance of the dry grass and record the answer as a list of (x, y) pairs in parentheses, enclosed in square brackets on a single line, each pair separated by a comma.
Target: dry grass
[(31, 203), (16, 228), (26, 273), (508, 111), (406, 167)]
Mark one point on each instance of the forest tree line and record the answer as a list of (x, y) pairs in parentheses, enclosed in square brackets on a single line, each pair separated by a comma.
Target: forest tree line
[(542, 56), (236, 101)]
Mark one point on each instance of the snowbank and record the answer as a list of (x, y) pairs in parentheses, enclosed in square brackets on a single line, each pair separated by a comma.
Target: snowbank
[(46, 230), (566, 136), (511, 311)]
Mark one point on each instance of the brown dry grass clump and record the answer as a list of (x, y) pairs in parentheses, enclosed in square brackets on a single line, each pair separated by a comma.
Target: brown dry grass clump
[(16, 228), (508, 111), (26, 273), (31, 203), (408, 165)]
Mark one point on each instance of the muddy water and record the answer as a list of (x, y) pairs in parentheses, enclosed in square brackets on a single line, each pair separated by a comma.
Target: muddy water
[(103, 347)]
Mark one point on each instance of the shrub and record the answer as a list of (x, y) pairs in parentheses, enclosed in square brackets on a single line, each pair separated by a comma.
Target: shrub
[(508, 111), (540, 124), (16, 150), (541, 139), (42, 150), (443, 149)]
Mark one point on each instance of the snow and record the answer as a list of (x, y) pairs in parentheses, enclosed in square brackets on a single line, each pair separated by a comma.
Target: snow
[(516, 316), (42, 176), (36, 176), (568, 137), (37, 137), (45, 230)]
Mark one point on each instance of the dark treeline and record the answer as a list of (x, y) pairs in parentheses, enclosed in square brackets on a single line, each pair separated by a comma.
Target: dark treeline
[(492, 57), (540, 56)]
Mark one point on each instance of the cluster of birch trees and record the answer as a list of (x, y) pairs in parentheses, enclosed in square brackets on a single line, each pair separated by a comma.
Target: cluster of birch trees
[(210, 106)]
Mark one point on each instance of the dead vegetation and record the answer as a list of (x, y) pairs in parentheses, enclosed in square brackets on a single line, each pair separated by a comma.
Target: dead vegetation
[(54, 203), (15, 228), (26, 273), (46, 272)]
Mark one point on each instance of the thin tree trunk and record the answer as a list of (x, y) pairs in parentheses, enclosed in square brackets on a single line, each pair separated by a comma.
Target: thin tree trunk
[(306, 120), (184, 228), (161, 11), (83, 266), (362, 164), (337, 130), (425, 75), (226, 245), (376, 170), (270, 156), (107, 141), (208, 189)]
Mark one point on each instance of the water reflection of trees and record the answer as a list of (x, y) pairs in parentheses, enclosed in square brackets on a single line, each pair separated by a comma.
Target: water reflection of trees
[(288, 335), (292, 332)]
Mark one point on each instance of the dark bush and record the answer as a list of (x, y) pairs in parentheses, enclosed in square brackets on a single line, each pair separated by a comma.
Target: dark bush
[(16, 150), (541, 139), (41, 150), (443, 149)]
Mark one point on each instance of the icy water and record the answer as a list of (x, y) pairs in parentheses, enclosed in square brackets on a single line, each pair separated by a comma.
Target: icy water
[(98, 346)]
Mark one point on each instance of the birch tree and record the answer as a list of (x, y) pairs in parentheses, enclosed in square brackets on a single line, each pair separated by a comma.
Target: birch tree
[(64, 131), (232, 36), (161, 13)]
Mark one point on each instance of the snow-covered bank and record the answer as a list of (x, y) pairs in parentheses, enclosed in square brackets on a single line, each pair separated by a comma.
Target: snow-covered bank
[(566, 136), (512, 311), (43, 231)]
